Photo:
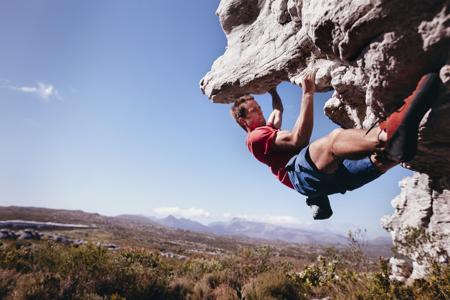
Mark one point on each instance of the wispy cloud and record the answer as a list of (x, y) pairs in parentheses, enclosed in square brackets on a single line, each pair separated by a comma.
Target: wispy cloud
[(46, 92), (182, 212), (273, 219)]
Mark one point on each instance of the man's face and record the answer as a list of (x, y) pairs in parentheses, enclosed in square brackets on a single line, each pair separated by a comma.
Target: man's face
[(255, 117)]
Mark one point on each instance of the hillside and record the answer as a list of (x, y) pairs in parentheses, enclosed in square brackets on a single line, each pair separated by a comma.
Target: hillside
[(139, 231), (174, 235)]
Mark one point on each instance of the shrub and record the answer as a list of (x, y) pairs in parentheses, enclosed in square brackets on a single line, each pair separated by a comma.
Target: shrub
[(8, 280), (225, 292), (38, 286), (271, 286), (195, 268), (181, 288)]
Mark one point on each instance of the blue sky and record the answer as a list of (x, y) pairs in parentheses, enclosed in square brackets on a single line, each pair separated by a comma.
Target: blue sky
[(100, 110)]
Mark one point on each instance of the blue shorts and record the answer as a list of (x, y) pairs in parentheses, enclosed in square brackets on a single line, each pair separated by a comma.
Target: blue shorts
[(309, 181)]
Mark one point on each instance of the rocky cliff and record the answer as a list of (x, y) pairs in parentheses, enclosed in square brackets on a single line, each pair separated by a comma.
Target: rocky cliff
[(371, 53)]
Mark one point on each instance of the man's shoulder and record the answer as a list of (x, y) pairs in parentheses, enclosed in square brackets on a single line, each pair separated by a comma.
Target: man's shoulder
[(263, 135), (260, 131), (266, 128)]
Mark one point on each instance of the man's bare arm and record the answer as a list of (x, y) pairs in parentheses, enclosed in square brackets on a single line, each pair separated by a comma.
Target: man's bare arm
[(276, 116), (300, 135)]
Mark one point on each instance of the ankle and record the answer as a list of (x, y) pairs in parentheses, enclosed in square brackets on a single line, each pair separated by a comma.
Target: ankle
[(382, 136), (377, 137)]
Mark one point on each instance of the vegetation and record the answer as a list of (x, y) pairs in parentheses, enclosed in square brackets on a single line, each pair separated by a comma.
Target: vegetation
[(47, 270), (160, 263)]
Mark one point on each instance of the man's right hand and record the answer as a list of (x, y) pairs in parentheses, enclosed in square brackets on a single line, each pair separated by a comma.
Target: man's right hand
[(309, 82), (300, 135)]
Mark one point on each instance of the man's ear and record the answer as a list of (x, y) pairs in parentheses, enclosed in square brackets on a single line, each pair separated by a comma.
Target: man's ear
[(242, 122)]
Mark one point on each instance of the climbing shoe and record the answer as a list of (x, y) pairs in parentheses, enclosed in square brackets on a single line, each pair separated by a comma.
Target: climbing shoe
[(402, 126), (320, 206)]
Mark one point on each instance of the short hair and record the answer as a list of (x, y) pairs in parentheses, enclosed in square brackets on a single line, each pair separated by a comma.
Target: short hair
[(238, 110)]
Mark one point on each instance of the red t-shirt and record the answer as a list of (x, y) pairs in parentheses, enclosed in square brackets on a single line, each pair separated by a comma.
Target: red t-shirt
[(259, 142)]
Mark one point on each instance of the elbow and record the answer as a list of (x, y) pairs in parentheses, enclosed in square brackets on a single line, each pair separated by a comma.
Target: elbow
[(279, 108), (300, 143)]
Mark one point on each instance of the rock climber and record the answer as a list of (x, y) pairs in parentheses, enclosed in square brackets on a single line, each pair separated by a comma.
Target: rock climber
[(345, 159)]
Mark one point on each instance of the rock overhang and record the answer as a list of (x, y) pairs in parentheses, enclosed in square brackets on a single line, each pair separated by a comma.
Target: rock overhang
[(371, 53)]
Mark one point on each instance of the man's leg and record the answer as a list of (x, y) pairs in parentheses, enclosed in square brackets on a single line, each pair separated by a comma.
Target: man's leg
[(354, 144), (328, 152), (398, 133)]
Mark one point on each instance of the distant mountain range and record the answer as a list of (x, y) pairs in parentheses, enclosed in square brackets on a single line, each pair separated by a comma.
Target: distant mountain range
[(182, 223), (241, 227), (237, 228)]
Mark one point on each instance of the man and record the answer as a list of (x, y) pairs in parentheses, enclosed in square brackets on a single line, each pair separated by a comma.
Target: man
[(342, 161)]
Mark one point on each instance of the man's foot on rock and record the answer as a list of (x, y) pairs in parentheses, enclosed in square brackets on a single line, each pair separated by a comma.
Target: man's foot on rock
[(402, 126), (320, 206)]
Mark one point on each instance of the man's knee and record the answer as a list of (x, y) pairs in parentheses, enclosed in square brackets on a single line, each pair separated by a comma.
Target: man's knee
[(321, 152), (333, 134), (333, 138), (325, 144)]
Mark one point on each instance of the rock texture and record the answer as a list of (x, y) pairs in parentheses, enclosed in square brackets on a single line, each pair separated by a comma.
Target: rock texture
[(420, 228), (370, 52)]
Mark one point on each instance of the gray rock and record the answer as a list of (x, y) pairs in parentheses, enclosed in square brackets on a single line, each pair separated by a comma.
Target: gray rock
[(371, 53), (29, 234), (110, 246), (420, 226), (78, 242), (6, 234), (25, 236), (400, 269), (62, 239)]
